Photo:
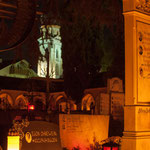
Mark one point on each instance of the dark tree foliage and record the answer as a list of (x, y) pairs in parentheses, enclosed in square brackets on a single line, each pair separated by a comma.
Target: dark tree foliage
[(92, 35), (81, 49), (81, 53), (33, 45)]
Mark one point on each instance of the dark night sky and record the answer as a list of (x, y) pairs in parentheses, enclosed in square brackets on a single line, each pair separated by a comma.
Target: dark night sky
[(23, 52), (6, 25)]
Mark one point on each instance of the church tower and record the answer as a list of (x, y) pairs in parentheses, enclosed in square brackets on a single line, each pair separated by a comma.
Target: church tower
[(50, 40)]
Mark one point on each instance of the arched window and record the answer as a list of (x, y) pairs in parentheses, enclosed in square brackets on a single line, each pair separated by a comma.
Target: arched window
[(5, 101), (21, 102), (87, 102)]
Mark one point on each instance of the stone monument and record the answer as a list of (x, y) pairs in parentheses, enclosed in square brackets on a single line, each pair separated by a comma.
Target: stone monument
[(136, 134)]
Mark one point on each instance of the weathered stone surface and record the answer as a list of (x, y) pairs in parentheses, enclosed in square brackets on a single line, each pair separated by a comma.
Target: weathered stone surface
[(82, 130), (137, 75), (137, 5)]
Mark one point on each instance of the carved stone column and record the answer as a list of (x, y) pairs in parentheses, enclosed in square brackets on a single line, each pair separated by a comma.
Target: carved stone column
[(137, 75)]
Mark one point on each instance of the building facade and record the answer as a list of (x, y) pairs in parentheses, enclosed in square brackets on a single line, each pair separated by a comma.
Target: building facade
[(51, 41), (102, 101), (20, 69)]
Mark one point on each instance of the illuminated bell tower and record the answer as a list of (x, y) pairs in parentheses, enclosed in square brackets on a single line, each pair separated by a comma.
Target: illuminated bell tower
[(53, 44)]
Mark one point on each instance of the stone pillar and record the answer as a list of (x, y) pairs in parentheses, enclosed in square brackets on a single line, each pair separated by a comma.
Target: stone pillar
[(137, 75)]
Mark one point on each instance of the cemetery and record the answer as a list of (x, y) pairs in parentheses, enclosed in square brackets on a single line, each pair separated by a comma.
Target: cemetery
[(37, 111)]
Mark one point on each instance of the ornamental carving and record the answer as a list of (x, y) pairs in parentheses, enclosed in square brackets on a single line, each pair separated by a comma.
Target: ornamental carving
[(143, 5), (17, 129)]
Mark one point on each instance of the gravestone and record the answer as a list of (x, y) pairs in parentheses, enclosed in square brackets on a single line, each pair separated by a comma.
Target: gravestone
[(104, 104), (137, 75), (117, 104), (40, 135), (82, 130), (115, 85)]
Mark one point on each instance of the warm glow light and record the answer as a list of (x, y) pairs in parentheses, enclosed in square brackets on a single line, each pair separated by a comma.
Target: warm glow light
[(115, 148), (12, 142), (107, 148), (30, 107)]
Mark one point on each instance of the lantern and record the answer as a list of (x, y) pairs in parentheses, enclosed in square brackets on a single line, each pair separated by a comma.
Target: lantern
[(30, 107), (13, 142), (110, 146)]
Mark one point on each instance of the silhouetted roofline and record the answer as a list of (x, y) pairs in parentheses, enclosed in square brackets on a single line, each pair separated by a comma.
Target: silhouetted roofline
[(30, 84)]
